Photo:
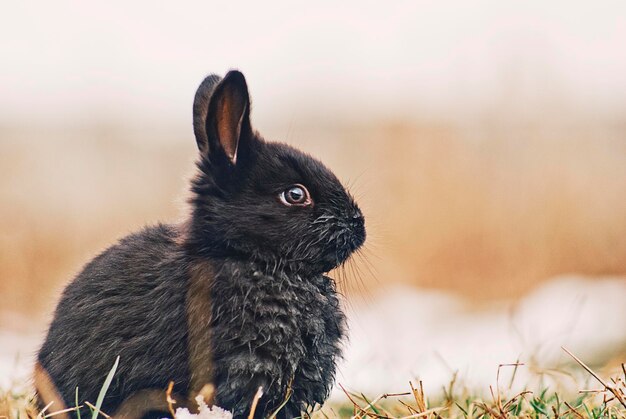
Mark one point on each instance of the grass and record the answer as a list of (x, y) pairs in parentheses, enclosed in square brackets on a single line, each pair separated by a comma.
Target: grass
[(607, 400), (414, 404)]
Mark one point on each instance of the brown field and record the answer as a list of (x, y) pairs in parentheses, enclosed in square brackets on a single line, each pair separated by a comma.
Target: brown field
[(487, 210)]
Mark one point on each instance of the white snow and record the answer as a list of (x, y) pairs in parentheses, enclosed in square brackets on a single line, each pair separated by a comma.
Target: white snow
[(410, 334), (205, 412)]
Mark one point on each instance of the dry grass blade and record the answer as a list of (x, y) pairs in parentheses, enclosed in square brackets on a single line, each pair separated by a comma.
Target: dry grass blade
[(516, 365), (425, 413), (358, 407), (556, 413), (170, 401), (496, 401), (384, 396), (59, 412), (372, 404), (514, 399), (255, 402), (98, 411), (573, 410), (286, 399), (410, 408), (616, 392), (497, 397), (43, 411), (418, 394), (488, 410)]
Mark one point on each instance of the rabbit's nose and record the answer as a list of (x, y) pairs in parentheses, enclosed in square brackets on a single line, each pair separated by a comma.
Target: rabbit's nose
[(357, 221), (357, 229)]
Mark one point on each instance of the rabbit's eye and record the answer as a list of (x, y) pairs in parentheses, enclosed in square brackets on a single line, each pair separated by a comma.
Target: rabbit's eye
[(295, 195)]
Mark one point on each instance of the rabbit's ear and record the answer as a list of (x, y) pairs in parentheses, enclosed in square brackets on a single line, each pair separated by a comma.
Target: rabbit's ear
[(200, 110), (227, 118)]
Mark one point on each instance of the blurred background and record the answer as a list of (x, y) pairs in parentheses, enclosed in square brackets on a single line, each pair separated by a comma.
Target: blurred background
[(486, 142)]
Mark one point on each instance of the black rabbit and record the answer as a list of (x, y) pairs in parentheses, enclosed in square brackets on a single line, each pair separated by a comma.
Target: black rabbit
[(235, 296)]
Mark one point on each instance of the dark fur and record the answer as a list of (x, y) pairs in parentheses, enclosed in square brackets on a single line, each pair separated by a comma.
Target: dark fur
[(275, 319)]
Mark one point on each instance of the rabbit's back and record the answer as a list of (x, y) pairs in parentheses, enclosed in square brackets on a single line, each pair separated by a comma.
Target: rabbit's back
[(128, 301)]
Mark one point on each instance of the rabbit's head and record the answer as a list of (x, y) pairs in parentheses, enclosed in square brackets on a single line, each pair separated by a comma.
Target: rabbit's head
[(263, 201)]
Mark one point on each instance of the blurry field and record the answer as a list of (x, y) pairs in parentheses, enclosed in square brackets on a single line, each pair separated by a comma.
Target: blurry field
[(486, 210)]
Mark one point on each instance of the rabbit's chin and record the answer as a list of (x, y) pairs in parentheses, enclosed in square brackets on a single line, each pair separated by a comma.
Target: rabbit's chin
[(337, 259), (319, 266)]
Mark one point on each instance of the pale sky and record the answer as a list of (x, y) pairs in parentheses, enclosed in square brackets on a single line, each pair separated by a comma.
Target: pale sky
[(141, 61)]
